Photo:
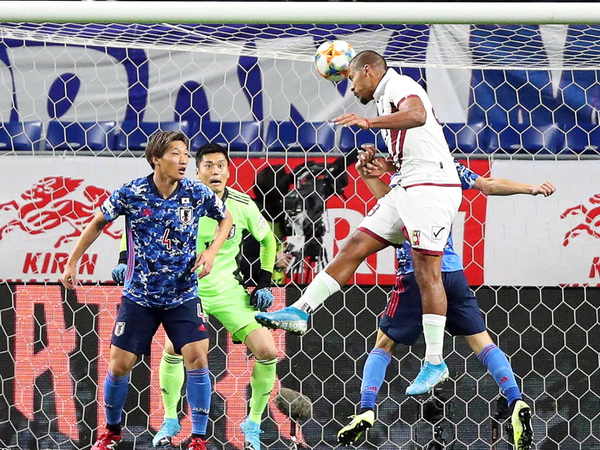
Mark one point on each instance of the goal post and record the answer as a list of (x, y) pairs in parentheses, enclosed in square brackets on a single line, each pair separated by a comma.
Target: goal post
[(517, 89)]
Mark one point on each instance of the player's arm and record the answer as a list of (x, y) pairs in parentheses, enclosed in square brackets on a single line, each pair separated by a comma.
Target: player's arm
[(119, 271), (87, 238), (262, 297), (502, 186), (411, 114), (207, 257)]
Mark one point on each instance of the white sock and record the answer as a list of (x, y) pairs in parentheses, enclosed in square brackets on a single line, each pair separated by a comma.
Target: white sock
[(320, 289), (433, 330)]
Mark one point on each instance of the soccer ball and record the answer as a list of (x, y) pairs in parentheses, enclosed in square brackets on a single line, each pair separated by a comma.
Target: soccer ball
[(332, 59)]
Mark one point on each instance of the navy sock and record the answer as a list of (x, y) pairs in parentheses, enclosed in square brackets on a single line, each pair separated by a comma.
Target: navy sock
[(198, 394), (115, 393), (495, 361), (373, 376)]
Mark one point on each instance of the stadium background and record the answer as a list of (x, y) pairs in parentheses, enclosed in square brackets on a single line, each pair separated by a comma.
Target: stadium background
[(533, 283)]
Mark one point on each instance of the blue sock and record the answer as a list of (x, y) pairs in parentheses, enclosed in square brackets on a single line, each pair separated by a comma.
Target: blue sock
[(373, 376), (115, 393), (198, 394), (494, 359)]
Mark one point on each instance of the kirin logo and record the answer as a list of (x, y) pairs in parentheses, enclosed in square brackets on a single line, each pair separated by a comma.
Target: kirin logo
[(46, 206), (590, 219)]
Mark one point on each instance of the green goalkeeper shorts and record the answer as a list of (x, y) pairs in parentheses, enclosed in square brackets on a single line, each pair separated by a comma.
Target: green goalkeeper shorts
[(233, 310)]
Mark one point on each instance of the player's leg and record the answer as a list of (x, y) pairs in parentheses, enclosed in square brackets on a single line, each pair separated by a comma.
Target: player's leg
[(262, 345), (171, 376), (381, 227), (373, 376), (465, 319), (187, 331), (135, 325), (294, 318), (428, 274), (233, 310), (428, 212), (496, 362)]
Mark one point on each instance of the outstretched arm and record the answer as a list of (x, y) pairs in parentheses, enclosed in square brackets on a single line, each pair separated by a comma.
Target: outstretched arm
[(410, 114), (87, 238), (502, 186)]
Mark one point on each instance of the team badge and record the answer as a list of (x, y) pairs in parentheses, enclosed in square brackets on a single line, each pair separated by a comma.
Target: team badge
[(231, 232), (415, 238), (185, 214), (119, 328)]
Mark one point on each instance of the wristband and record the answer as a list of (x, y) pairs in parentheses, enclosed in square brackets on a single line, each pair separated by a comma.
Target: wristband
[(368, 123)]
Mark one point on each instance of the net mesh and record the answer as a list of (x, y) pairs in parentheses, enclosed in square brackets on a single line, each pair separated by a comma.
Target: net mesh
[(74, 93)]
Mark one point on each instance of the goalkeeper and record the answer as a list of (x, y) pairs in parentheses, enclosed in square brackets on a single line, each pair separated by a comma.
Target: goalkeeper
[(224, 297), (400, 323)]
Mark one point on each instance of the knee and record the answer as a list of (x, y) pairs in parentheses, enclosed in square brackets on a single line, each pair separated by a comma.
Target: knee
[(196, 361), (119, 368), (265, 352), (169, 348)]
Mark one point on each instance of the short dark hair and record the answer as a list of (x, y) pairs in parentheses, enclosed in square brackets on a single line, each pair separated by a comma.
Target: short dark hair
[(210, 148), (373, 59), (159, 143)]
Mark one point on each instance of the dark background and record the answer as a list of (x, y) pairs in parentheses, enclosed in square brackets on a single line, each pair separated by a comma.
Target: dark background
[(550, 335)]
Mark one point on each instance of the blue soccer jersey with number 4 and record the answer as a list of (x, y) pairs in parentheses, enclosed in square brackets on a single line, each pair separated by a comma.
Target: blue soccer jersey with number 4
[(161, 238), (451, 261)]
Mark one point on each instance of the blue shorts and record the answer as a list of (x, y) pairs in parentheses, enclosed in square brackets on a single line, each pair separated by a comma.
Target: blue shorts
[(402, 318), (136, 325)]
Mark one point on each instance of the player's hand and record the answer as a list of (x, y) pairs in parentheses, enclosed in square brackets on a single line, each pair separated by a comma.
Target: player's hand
[(351, 119), (365, 157), (118, 273), (283, 260), (204, 262), (546, 189), (69, 277), (261, 297)]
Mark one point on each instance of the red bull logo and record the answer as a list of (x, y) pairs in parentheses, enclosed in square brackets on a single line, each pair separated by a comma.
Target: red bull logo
[(590, 219), (50, 204)]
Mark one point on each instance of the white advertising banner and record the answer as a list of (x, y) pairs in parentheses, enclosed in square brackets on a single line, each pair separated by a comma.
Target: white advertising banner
[(536, 241), (46, 202)]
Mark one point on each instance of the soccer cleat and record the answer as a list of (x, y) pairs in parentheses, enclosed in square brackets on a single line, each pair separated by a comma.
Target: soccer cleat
[(355, 429), (252, 434), (197, 444), (289, 319), (168, 429), (521, 425), (429, 376), (107, 440)]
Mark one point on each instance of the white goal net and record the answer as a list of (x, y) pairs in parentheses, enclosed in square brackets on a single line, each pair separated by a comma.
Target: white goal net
[(78, 102)]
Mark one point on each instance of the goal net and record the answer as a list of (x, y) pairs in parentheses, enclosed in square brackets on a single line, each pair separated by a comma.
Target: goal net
[(79, 100)]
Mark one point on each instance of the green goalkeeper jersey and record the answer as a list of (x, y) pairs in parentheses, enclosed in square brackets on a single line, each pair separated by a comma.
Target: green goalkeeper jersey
[(225, 274)]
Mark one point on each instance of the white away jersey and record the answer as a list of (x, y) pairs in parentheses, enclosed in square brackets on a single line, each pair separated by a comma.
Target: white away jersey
[(421, 154)]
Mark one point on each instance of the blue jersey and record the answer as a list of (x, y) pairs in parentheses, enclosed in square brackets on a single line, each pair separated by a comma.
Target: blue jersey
[(161, 238), (451, 261)]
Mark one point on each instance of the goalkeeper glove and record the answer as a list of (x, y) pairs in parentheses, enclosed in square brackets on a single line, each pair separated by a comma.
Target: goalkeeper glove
[(262, 297), (118, 273)]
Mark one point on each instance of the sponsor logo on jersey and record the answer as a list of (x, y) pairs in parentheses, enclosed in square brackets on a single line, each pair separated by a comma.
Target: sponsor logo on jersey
[(436, 233)]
